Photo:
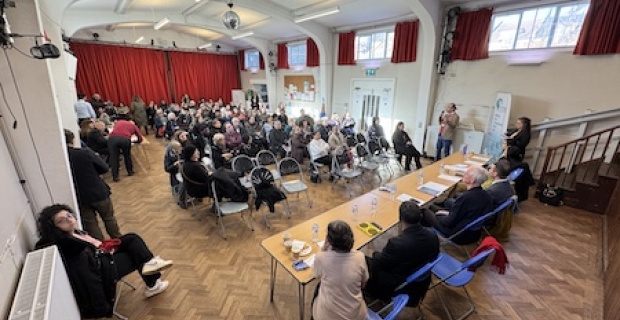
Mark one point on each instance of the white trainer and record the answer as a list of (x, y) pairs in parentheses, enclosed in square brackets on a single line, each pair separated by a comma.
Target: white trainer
[(155, 265), (159, 287)]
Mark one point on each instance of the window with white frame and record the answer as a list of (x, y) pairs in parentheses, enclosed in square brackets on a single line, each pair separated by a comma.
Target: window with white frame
[(533, 28), (374, 45), (297, 53), (252, 59)]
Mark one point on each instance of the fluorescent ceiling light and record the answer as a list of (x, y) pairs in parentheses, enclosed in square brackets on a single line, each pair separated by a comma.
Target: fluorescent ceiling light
[(206, 45), (161, 23), (140, 39), (121, 6), (199, 4), (317, 14), (243, 35)]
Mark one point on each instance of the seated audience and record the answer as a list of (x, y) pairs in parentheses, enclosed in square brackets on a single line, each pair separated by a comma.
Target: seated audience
[(403, 254), (342, 273), (249, 147), (375, 132), (278, 140), (195, 176), (97, 139), (319, 150), (348, 124), (219, 153), (233, 137), (338, 145), (298, 145), (404, 147), (172, 162), (474, 203), (94, 266), (171, 125), (500, 189)]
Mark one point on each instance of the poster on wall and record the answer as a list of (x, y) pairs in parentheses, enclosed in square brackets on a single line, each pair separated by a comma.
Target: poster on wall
[(498, 124)]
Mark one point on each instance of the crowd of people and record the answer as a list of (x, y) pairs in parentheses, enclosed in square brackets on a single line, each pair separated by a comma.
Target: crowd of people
[(193, 128)]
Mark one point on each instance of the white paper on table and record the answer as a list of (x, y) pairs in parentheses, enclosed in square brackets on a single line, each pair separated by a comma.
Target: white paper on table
[(475, 163), (457, 167), (450, 178), (481, 159), (321, 244), (310, 260), (405, 197), (433, 188)]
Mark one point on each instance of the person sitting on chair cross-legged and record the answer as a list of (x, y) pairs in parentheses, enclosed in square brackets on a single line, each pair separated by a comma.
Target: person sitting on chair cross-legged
[(404, 147), (93, 266), (402, 255), (472, 204)]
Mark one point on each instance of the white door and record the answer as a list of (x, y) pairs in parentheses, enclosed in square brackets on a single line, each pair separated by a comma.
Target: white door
[(372, 98)]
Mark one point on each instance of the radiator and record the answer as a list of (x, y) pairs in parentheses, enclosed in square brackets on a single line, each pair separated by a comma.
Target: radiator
[(44, 292)]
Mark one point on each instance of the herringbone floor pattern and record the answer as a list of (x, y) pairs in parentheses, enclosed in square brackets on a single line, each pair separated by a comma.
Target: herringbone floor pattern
[(555, 255)]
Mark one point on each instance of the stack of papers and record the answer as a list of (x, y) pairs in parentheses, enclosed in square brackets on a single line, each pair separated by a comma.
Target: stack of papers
[(433, 188), (310, 260), (457, 167), (405, 197), (480, 159), (450, 178), (475, 163)]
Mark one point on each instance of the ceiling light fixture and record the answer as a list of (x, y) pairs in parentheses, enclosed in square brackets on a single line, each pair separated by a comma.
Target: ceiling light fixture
[(231, 19), (206, 45), (243, 35), (121, 6), (161, 23), (140, 39), (194, 7), (317, 14)]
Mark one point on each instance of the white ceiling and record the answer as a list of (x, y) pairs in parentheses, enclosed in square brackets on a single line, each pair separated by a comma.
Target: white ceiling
[(206, 22)]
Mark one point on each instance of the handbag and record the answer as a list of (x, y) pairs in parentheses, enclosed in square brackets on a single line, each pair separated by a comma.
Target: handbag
[(551, 195)]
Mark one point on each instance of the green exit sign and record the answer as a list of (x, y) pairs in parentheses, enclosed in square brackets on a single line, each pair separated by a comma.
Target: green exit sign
[(371, 72)]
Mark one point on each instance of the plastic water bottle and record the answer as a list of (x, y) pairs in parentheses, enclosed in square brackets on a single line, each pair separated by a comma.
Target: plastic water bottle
[(373, 207), (392, 190), (354, 212), (315, 232), (421, 178), (465, 150), (442, 169)]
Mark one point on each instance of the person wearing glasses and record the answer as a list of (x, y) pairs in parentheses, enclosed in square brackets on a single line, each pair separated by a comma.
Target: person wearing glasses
[(93, 266)]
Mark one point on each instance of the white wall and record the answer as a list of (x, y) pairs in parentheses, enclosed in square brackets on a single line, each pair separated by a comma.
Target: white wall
[(37, 147), (564, 85)]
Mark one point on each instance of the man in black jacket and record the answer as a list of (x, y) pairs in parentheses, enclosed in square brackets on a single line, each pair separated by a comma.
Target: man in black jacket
[(404, 254), (93, 194), (472, 204)]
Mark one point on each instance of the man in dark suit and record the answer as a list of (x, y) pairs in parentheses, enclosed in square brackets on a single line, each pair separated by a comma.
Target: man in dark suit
[(472, 204), (404, 254), (93, 194)]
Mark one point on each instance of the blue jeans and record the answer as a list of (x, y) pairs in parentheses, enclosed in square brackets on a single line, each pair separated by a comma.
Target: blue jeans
[(442, 144)]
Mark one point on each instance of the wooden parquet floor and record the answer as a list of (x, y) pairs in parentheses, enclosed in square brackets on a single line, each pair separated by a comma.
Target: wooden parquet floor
[(555, 255)]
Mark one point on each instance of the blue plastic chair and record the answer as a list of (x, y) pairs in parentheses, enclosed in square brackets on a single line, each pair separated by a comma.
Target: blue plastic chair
[(398, 304), (453, 273), (515, 174), (477, 224)]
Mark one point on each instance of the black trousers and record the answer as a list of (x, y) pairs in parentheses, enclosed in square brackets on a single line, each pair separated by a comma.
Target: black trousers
[(131, 256), (116, 145), (410, 152)]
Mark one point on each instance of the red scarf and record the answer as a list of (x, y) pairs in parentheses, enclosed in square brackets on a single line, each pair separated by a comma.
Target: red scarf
[(500, 260)]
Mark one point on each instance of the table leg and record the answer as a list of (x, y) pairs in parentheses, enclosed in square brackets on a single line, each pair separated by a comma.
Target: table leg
[(302, 300), (272, 280)]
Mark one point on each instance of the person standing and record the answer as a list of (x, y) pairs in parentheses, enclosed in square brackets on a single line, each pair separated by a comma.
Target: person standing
[(140, 116), (93, 194), (83, 109), (120, 141), (404, 147), (448, 121)]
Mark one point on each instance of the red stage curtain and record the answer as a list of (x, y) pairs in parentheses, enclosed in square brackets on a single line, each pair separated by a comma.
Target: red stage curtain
[(282, 56), (241, 56), (118, 72), (312, 54), (204, 75), (600, 33), (471, 37), (405, 42), (346, 49), (261, 61)]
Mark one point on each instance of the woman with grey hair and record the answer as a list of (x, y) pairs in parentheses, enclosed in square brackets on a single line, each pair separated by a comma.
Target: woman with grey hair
[(343, 274)]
